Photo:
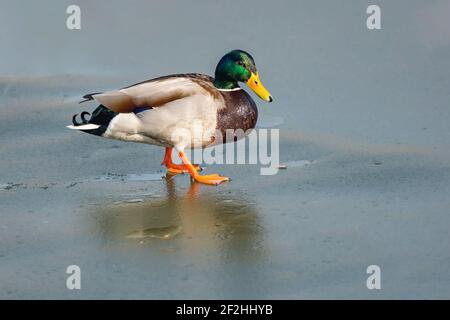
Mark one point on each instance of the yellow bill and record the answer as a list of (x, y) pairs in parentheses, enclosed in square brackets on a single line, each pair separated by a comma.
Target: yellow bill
[(255, 84)]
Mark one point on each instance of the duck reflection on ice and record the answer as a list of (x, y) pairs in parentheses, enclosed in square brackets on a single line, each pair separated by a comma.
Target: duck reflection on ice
[(201, 218)]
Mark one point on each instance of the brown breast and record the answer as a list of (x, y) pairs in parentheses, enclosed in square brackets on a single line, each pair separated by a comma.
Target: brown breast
[(240, 112)]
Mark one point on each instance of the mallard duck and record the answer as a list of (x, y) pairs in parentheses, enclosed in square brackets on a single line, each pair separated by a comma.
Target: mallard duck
[(169, 111)]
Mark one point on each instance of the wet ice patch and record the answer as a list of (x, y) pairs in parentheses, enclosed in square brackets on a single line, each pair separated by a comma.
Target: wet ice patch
[(296, 164), (3, 186), (144, 177), (164, 233), (130, 177), (109, 177), (141, 194), (129, 201), (10, 185), (138, 197)]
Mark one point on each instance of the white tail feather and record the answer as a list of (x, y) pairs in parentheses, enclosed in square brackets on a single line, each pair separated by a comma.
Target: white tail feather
[(89, 126)]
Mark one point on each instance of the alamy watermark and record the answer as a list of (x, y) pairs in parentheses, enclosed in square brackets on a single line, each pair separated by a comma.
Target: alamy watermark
[(374, 280), (73, 281), (73, 21), (373, 21), (234, 146)]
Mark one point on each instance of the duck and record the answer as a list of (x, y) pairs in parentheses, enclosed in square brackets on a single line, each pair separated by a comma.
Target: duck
[(180, 111)]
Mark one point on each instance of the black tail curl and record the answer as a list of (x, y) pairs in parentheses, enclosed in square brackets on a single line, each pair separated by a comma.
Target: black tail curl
[(83, 119), (101, 116)]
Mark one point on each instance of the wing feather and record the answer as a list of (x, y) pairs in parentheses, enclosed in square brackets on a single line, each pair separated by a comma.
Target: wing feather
[(155, 93)]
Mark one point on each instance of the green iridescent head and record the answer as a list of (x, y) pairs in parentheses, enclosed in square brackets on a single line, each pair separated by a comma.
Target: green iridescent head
[(239, 66)]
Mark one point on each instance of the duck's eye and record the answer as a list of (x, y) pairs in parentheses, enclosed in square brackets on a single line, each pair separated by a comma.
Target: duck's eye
[(240, 63)]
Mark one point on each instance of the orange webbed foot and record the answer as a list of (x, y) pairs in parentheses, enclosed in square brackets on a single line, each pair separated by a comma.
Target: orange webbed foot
[(212, 179)]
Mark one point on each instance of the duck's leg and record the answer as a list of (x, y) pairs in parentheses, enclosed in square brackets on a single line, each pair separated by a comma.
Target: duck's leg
[(214, 179), (173, 167)]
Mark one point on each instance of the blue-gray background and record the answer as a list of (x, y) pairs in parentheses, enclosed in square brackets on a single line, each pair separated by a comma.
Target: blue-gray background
[(369, 109)]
